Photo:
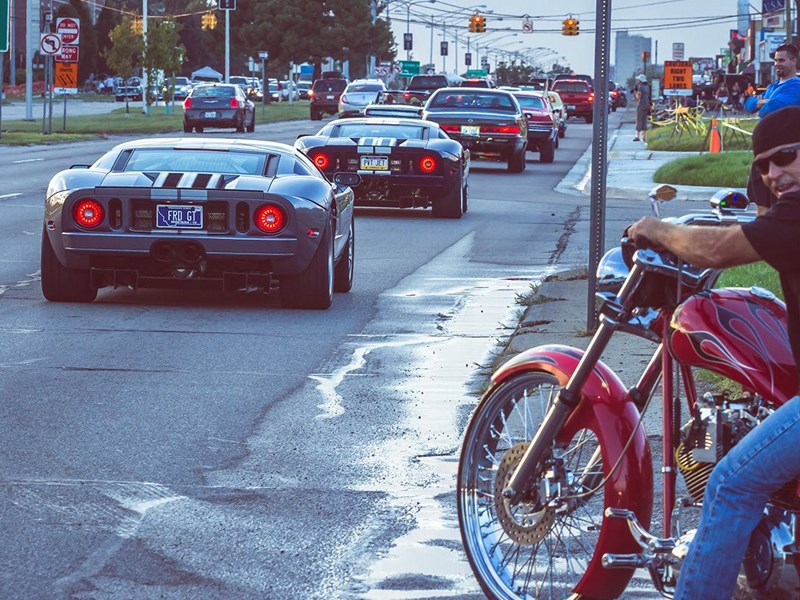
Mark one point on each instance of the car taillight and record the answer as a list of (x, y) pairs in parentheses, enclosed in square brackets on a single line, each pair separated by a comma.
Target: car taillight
[(269, 218), (310, 94), (500, 129), (451, 128), (591, 97), (87, 213), (322, 161), (427, 164), (614, 94), (407, 95), (187, 103), (234, 103)]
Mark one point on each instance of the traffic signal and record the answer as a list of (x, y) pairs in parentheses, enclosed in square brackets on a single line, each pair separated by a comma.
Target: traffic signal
[(477, 23), (570, 26), (137, 26), (209, 20)]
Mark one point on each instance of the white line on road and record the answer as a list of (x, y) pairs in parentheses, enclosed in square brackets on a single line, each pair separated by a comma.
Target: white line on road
[(24, 160), (15, 194)]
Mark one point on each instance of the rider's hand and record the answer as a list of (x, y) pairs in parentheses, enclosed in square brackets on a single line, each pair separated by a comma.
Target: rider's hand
[(646, 232)]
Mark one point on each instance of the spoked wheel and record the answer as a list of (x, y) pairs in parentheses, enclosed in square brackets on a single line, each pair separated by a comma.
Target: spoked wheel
[(541, 546)]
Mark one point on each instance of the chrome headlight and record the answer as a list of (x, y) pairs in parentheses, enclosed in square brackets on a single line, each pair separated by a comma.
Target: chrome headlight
[(612, 271)]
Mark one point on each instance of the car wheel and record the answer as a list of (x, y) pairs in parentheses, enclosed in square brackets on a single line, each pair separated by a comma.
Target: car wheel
[(464, 199), (588, 118), (60, 284), (547, 152), (316, 115), (516, 162), (187, 127), (450, 205), (240, 125), (555, 142), (343, 272), (313, 288), (198, 129), (562, 131), (252, 127)]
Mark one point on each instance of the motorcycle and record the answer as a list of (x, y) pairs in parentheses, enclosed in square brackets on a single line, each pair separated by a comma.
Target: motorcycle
[(555, 487)]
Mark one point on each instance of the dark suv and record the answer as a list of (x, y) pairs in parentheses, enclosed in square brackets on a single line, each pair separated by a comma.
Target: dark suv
[(324, 95), (577, 96)]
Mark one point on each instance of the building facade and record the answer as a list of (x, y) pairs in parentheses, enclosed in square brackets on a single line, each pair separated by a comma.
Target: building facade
[(628, 55)]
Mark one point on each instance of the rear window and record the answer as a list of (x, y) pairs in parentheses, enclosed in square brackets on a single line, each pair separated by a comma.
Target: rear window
[(571, 86), (215, 91), (482, 83), (427, 83), (329, 85), (467, 99), (196, 161), (530, 102), (365, 87)]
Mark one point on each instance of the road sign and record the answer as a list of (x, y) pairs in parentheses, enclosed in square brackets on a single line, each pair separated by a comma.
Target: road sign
[(408, 41), (678, 49), (68, 54), (263, 55), (409, 68), (50, 44), (476, 73), (227, 4), (770, 6), (66, 77), (678, 78), (443, 48), (468, 58), (70, 30), (5, 14), (527, 26)]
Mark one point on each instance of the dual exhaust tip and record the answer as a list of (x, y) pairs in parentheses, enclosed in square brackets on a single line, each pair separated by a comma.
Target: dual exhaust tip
[(177, 254)]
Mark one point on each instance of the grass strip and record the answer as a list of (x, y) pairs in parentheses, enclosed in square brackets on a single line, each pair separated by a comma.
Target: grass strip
[(726, 169), (666, 138)]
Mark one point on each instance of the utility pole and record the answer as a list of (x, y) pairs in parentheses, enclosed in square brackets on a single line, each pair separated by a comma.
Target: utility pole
[(374, 4), (227, 46), (145, 83)]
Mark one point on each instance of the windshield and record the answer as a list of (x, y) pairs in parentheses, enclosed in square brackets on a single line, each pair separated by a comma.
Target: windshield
[(329, 85), (530, 102), (196, 161), (361, 130), (465, 99)]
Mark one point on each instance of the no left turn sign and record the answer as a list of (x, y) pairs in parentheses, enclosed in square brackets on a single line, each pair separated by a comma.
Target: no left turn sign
[(50, 43)]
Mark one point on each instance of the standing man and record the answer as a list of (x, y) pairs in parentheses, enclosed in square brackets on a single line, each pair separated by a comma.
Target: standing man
[(769, 456), (642, 95)]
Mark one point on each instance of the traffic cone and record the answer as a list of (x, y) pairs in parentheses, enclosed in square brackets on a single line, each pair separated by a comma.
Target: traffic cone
[(716, 142)]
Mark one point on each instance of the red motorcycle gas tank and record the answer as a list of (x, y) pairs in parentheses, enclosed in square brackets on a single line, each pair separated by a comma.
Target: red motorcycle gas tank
[(740, 334)]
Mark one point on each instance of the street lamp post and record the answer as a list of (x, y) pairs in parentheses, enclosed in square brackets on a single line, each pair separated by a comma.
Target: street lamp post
[(408, 19)]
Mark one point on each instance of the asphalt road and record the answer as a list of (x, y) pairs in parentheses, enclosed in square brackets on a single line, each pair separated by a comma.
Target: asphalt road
[(184, 445)]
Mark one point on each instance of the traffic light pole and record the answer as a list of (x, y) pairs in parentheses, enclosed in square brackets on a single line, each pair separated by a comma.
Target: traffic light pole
[(227, 46)]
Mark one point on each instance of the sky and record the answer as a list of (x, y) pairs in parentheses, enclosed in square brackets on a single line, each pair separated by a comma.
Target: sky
[(703, 26)]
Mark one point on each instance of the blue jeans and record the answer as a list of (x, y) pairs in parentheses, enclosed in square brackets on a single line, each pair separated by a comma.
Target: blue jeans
[(735, 496)]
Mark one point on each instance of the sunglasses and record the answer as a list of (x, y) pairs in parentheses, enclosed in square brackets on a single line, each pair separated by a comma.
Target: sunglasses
[(780, 159)]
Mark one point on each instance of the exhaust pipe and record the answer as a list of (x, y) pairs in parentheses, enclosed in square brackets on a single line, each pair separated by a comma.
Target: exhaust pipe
[(163, 252), (192, 254)]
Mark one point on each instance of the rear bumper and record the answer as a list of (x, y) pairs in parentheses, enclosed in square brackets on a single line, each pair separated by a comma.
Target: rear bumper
[(222, 118), (491, 144)]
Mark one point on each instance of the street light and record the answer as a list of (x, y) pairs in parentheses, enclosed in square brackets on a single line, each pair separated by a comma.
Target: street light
[(408, 19)]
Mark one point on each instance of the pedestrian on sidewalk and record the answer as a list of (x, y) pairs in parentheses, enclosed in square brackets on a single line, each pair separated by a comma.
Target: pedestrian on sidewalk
[(642, 95), (768, 456)]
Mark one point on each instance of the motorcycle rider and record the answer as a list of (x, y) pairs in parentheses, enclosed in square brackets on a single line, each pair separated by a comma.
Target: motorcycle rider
[(768, 456)]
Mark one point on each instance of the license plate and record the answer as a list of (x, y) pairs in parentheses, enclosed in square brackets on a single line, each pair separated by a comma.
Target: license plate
[(470, 130), (329, 97), (570, 107), (179, 217), (375, 163), (209, 115)]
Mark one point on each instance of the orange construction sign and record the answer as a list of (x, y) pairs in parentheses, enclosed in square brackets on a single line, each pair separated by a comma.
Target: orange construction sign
[(678, 78), (66, 77)]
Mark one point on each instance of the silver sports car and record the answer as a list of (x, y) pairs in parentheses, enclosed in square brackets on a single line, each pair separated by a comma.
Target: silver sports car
[(209, 213)]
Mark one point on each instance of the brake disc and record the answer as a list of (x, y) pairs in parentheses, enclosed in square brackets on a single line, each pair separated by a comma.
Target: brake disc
[(525, 522)]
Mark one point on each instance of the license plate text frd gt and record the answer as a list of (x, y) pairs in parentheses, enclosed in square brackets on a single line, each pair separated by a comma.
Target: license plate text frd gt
[(171, 216)]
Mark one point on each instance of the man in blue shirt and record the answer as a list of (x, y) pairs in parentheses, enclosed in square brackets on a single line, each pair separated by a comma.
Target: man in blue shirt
[(783, 92)]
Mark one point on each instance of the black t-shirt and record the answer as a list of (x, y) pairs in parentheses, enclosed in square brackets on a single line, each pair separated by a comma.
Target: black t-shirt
[(775, 236), (757, 191)]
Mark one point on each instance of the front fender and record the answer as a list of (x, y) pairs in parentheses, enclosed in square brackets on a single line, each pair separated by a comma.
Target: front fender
[(606, 408)]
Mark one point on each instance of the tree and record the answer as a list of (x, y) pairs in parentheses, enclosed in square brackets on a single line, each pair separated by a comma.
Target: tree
[(163, 51), (124, 55), (107, 20)]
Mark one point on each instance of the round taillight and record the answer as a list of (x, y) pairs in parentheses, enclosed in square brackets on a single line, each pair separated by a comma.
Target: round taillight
[(427, 164), (87, 213), (322, 161), (270, 218)]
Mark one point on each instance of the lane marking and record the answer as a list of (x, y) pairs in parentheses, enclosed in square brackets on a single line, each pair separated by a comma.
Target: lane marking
[(14, 195), (25, 160)]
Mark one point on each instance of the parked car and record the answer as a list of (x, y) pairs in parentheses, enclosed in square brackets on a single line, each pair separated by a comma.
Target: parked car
[(488, 122), (182, 88), (133, 89), (289, 88), (577, 96), (218, 105), (302, 89), (402, 162), (324, 96), (542, 124), (217, 213), (357, 95)]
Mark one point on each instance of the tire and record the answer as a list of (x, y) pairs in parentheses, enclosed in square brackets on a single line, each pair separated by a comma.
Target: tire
[(538, 532), (555, 143), (198, 129), (60, 284), (240, 125), (516, 162), (344, 270), (588, 118), (316, 115), (450, 205), (562, 131), (187, 127), (252, 127), (547, 152), (313, 288), (465, 201)]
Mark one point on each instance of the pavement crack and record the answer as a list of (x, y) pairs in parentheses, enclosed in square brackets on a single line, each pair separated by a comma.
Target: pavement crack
[(563, 240)]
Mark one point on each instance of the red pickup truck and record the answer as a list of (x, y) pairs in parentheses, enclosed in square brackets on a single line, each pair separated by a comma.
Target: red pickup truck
[(577, 96)]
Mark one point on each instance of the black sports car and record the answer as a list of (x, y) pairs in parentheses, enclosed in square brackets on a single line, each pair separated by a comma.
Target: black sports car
[(207, 213), (488, 122), (218, 105), (402, 162)]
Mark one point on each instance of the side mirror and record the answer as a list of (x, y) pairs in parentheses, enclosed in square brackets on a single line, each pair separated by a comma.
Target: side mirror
[(347, 179), (727, 201), (661, 193)]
